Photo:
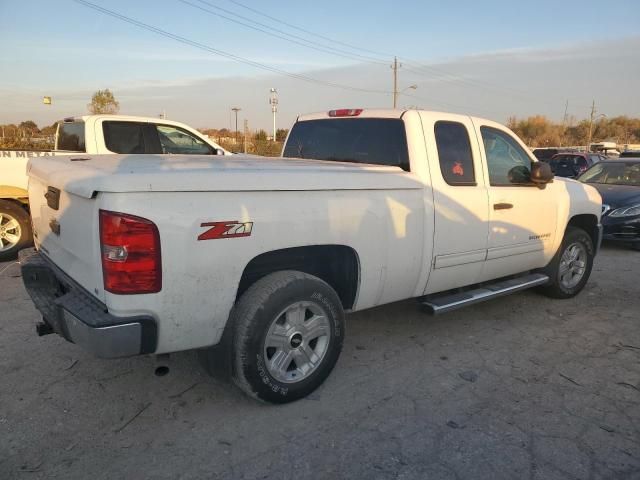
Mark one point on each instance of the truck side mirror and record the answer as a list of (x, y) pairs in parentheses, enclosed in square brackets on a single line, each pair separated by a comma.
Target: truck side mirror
[(541, 173), (219, 151)]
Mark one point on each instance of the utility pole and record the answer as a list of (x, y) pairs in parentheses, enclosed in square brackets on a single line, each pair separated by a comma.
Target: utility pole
[(395, 67), (564, 122), (591, 117), (273, 100), (246, 130), (236, 110)]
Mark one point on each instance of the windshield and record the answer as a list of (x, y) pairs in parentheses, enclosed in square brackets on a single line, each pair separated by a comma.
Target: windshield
[(613, 173), (378, 141)]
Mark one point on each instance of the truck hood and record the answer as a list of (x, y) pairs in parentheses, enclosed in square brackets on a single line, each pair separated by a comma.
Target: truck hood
[(86, 175)]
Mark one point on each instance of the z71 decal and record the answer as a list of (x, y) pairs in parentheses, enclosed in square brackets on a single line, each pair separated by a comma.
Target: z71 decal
[(228, 229)]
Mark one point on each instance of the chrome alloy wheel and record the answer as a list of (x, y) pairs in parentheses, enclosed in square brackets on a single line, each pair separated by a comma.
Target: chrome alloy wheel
[(573, 264), (296, 342), (10, 232)]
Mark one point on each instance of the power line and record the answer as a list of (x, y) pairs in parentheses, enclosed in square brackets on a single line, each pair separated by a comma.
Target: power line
[(409, 64), (279, 33), (308, 32), (246, 61), (224, 54)]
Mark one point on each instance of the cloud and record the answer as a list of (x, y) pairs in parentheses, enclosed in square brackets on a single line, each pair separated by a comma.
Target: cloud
[(491, 84)]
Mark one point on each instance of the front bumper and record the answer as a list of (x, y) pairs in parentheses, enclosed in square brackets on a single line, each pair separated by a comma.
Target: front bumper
[(73, 313)]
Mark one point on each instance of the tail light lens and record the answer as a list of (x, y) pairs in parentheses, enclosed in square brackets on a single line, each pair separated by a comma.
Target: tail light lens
[(130, 249)]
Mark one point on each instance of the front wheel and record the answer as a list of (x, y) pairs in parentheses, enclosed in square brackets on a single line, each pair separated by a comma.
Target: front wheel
[(571, 266), (15, 229), (289, 328)]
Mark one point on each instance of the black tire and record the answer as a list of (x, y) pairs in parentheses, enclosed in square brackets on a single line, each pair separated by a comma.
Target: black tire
[(259, 309), (556, 288), (10, 211)]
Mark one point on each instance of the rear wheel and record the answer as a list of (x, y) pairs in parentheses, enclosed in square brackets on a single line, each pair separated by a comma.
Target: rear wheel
[(15, 229), (289, 328), (571, 266)]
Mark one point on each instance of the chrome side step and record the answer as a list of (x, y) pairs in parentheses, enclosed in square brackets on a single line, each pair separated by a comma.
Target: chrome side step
[(446, 302)]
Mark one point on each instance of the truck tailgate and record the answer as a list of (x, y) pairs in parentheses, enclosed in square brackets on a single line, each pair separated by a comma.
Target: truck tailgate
[(65, 230)]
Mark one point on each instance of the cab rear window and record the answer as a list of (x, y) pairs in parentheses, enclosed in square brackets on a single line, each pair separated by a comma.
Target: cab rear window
[(454, 152), (71, 137), (377, 141)]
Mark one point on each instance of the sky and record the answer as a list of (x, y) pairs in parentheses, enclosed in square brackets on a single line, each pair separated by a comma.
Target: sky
[(493, 58)]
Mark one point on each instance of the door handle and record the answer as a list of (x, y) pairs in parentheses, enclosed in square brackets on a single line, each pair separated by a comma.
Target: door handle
[(502, 206)]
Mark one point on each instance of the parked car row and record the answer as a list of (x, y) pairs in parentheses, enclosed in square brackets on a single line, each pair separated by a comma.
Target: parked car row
[(616, 179), (571, 165), (618, 182)]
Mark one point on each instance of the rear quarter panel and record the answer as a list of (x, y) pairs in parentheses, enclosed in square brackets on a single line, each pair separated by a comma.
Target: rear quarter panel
[(201, 277)]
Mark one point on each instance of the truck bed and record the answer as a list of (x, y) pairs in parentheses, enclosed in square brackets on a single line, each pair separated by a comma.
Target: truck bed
[(83, 175)]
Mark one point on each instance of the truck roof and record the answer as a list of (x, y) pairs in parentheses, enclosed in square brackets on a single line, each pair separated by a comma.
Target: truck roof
[(376, 113), (124, 118)]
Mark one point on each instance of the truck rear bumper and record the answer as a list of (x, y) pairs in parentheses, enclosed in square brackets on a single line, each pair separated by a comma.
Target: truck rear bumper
[(70, 311)]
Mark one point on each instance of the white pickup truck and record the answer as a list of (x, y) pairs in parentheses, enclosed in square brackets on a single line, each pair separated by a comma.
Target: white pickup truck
[(139, 254), (90, 134)]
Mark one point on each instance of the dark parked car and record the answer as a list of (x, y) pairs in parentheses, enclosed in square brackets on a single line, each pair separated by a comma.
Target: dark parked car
[(618, 182), (545, 154), (572, 165), (630, 153)]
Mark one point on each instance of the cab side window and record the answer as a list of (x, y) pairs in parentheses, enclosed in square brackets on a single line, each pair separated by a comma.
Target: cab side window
[(507, 162), (177, 141), (454, 152), (124, 137)]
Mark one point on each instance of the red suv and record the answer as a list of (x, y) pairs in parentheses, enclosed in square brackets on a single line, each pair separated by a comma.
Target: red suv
[(573, 164)]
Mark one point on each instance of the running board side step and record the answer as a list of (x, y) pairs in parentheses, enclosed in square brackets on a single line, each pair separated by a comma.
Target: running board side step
[(436, 304)]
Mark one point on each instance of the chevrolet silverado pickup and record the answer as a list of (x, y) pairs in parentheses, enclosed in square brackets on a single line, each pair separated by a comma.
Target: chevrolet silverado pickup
[(262, 257), (90, 134)]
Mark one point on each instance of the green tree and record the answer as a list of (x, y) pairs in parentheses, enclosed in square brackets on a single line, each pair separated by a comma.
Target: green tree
[(103, 101), (261, 135)]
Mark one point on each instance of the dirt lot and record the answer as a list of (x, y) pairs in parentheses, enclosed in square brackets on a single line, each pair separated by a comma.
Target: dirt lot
[(520, 387)]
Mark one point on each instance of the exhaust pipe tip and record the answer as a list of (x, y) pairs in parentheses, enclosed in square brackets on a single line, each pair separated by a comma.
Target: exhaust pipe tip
[(43, 328), (163, 365)]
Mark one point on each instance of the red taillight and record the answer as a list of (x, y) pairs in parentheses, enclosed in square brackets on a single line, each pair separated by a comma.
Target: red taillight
[(345, 112), (130, 249)]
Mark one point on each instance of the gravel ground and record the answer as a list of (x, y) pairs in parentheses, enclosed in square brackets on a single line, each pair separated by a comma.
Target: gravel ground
[(522, 387)]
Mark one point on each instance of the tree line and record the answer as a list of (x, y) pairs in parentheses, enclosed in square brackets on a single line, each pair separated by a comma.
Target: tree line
[(539, 131), (535, 131)]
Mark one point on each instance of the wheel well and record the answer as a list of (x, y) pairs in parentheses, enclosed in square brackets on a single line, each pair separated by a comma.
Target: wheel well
[(588, 223), (18, 202), (335, 264)]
